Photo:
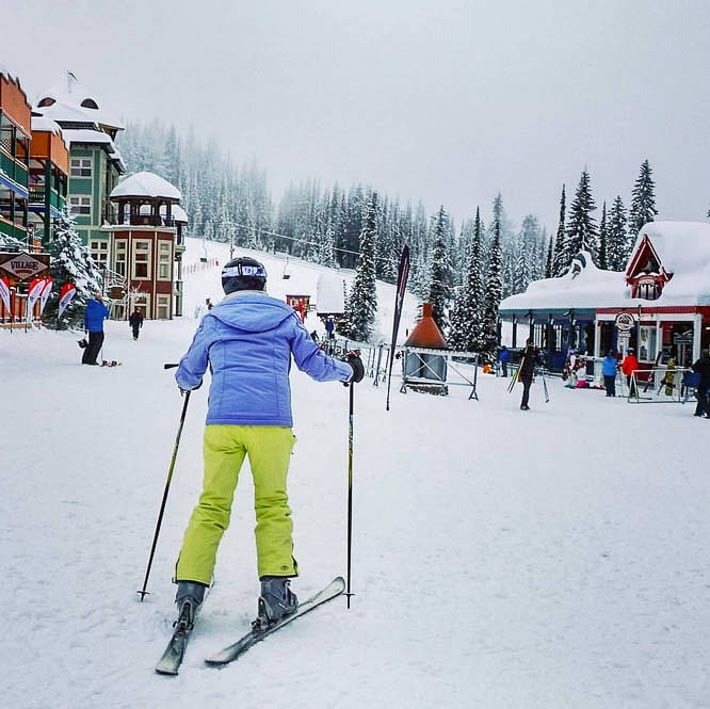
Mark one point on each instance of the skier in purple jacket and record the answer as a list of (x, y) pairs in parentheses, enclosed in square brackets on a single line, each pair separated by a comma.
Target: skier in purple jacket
[(247, 340)]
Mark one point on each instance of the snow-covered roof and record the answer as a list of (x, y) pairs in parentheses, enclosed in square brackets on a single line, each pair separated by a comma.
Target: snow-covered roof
[(682, 247), (70, 101), (9, 75), (42, 123), (86, 135), (179, 214), (329, 294), (146, 184)]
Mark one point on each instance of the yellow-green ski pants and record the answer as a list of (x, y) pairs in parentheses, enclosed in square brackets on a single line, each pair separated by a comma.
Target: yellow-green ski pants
[(225, 447)]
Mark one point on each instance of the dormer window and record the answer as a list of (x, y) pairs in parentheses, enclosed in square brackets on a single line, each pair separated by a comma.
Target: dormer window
[(648, 288), (46, 102), (89, 103)]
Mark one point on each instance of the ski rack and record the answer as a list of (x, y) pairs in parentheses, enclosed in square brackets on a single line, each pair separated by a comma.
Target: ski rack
[(680, 392), (449, 356)]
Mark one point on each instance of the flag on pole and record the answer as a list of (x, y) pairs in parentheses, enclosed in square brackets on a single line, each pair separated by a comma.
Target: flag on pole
[(5, 292), (402, 276), (67, 292), (33, 294), (44, 297)]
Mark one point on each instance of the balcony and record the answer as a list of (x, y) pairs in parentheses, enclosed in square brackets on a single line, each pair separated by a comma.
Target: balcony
[(37, 197), (14, 230), (16, 171)]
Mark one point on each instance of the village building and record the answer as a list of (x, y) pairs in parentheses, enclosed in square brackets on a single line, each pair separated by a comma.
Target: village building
[(95, 165), (49, 178), (15, 136), (659, 304), (148, 244)]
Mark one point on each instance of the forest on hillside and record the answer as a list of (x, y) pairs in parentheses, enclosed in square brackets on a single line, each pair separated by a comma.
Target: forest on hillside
[(459, 267)]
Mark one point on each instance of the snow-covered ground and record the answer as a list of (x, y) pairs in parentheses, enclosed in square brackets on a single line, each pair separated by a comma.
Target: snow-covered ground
[(555, 558)]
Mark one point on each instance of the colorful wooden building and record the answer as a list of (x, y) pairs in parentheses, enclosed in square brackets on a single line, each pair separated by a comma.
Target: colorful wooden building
[(148, 246), (95, 165), (49, 176), (664, 292), (15, 134)]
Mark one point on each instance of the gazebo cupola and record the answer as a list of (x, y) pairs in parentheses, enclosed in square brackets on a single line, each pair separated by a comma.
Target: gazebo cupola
[(145, 249), (146, 199)]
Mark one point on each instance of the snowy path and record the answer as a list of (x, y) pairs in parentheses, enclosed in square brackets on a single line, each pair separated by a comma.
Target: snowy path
[(556, 558)]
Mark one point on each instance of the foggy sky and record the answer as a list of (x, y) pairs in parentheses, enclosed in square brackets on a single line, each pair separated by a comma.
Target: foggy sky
[(445, 101)]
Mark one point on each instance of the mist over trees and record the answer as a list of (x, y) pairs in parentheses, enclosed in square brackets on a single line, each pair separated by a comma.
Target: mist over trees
[(464, 271)]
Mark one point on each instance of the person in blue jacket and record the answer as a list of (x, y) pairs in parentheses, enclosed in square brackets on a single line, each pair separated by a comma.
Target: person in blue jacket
[(504, 358), (609, 367), (94, 315), (248, 340)]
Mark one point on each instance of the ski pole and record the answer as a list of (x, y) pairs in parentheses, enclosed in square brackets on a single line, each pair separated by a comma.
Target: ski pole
[(143, 592), (350, 490)]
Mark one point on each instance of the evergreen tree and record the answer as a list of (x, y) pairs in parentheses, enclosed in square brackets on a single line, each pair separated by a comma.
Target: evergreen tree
[(603, 241), (441, 271), (581, 228), (70, 262), (362, 304), (618, 237), (559, 259), (494, 292), (549, 259), (643, 200), (467, 320), (526, 265)]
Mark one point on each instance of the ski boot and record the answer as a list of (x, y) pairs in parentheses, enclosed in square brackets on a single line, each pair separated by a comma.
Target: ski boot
[(277, 600), (189, 598)]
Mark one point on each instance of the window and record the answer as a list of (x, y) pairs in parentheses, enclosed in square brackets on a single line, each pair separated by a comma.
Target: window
[(141, 259), (164, 259), (5, 204), (648, 288), (163, 307), (99, 252), (80, 205), (81, 167), (89, 103), (120, 260), (46, 101)]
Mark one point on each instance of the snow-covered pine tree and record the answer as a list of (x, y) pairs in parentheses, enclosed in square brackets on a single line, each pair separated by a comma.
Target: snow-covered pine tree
[(527, 249), (643, 200), (581, 228), (362, 304), (617, 238), (467, 320), (560, 261), (441, 271), (549, 259), (70, 262), (603, 259), (494, 292)]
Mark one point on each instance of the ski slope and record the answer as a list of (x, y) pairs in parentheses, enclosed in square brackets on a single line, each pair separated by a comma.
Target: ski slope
[(501, 559)]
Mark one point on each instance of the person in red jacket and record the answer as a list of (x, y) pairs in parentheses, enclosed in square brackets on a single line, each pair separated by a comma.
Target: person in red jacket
[(628, 367)]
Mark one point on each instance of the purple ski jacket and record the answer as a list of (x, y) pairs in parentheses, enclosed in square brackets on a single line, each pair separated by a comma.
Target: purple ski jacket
[(248, 340)]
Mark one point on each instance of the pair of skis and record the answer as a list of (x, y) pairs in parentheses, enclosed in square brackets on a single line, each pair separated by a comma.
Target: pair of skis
[(172, 658)]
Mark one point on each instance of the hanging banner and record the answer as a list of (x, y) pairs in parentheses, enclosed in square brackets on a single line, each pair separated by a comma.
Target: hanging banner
[(5, 292), (66, 294), (33, 294), (402, 276), (44, 297)]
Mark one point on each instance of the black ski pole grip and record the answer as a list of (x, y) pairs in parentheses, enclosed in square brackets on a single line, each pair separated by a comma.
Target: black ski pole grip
[(170, 365)]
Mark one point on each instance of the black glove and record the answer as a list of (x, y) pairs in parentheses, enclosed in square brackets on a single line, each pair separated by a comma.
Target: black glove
[(353, 359)]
